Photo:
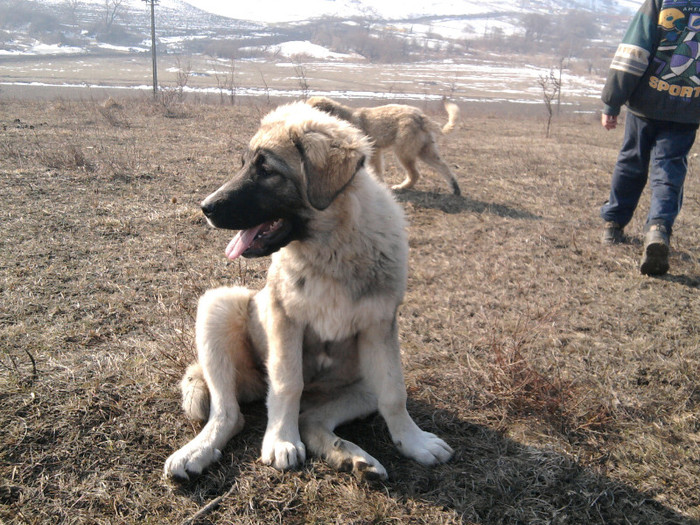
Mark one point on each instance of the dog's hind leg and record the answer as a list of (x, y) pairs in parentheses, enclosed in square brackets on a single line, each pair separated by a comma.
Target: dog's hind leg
[(223, 350), (429, 154), (318, 422), (377, 164), (412, 173)]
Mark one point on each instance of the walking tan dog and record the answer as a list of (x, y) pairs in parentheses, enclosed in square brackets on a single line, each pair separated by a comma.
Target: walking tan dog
[(321, 338), (406, 129)]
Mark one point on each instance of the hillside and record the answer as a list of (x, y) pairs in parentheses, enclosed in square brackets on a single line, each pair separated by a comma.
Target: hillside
[(376, 33), (274, 11)]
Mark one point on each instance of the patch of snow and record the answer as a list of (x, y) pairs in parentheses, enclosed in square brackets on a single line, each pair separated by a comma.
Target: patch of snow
[(38, 48), (111, 47), (301, 48)]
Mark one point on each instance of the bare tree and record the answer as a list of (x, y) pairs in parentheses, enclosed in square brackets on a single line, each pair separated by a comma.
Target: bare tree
[(551, 86), (72, 7), (561, 68), (226, 82), (267, 88), (301, 76), (536, 26), (183, 77), (112, 10), (171, 98)]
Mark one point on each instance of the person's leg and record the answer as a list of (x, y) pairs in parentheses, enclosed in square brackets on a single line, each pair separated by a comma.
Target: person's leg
[(669, 166), (667, 175), (630, 172)]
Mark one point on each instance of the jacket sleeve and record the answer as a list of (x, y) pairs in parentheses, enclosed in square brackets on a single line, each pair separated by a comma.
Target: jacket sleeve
[(632, 57)]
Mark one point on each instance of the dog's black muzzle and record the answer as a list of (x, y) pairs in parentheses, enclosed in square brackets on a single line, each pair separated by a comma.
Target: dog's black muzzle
[(252, 197), (237, 205)]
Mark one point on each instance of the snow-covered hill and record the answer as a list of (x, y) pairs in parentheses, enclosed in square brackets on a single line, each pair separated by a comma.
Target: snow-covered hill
[(383, 28), (280, 11), (322, 35)]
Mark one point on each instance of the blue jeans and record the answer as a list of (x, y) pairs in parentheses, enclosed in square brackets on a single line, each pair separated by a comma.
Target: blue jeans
[(666, 145)]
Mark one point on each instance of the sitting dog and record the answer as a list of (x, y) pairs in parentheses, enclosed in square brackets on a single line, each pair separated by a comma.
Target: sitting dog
[(406, 129), (320, 340)]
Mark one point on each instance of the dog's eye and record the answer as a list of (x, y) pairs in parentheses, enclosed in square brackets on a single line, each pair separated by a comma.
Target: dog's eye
[(262, 168)]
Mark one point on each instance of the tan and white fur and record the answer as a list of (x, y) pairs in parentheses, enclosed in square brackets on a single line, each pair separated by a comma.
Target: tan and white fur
[(405, 129), (320, 340)]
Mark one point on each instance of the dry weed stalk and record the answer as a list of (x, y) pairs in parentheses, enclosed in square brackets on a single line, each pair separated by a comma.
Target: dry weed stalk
[(67, 158), (13, 365), (112, 113)]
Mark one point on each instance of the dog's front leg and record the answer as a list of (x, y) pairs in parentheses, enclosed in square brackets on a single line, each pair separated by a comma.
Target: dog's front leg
[(380, 361), (282, 447)]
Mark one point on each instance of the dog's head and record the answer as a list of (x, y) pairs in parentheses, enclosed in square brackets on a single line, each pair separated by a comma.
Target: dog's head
[(296, 165)]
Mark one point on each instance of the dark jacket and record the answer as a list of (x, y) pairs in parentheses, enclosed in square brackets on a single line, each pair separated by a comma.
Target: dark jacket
[(655, 70)]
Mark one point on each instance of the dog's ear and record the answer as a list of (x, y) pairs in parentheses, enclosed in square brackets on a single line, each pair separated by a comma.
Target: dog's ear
[(329, 165)]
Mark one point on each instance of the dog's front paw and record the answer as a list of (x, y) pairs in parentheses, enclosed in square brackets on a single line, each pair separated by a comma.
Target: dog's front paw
[(190, 461), (425, 448), (282, 454)]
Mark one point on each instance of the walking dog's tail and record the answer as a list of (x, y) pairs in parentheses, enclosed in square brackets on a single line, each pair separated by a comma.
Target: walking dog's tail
[(453, 116)]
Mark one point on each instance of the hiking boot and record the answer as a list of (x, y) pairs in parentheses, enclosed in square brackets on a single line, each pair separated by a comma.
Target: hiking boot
[(612, 234), (656, 248)]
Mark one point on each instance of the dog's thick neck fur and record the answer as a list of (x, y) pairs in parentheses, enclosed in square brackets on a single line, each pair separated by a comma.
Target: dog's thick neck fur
[(349, 267), (340, 252)]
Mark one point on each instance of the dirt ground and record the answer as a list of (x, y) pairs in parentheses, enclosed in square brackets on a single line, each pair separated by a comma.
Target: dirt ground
[(566, 382)]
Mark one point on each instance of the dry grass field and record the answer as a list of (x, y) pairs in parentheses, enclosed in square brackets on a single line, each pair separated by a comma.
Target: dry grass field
[(566, 382)]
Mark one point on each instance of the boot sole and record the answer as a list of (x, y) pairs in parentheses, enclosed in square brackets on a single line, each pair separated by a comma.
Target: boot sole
[(655, 261)]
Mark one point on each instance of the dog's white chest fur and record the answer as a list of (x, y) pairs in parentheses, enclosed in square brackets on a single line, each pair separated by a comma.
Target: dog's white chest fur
[(328, 307)]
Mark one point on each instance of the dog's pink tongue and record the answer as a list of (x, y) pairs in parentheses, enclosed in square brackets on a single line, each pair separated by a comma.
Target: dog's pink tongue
[(241, 241)]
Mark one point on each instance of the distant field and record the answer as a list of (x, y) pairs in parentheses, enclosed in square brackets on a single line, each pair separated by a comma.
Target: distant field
[(490, 80), (566, 382)]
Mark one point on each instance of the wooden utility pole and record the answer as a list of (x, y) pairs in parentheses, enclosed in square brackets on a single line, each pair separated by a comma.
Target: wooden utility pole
[(153, 45)]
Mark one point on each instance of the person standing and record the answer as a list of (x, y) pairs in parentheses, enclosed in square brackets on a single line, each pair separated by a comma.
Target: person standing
[(656, 73)]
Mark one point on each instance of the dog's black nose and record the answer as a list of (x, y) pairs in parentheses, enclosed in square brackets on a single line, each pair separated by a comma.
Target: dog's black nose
[(207, 208)]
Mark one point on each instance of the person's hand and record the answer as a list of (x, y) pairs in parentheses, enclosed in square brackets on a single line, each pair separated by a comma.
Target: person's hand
[(609, 121)]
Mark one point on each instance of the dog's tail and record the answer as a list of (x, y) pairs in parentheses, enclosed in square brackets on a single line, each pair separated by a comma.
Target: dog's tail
[(195, 394), (453, 116)]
